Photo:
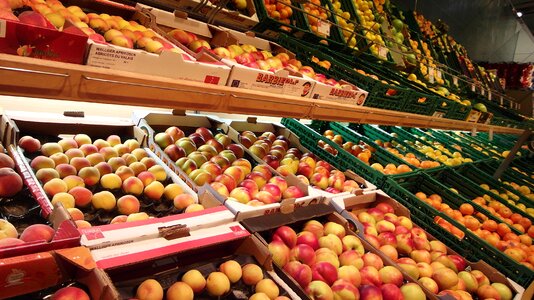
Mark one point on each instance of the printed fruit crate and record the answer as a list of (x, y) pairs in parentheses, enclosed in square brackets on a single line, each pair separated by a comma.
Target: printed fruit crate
[(470, 245), (397, 235), (342, 160), (329, 230), (98, 186), (272, 24), (471, 172), (290, 146), (61, 273), (231, 174)]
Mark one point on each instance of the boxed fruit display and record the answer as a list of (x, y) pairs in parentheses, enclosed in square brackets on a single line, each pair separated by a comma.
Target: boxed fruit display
[(213, 162), (97, 186), (32, 34), (239, 268), (327, 258), (68, 273), (284, 153), (388, 226)]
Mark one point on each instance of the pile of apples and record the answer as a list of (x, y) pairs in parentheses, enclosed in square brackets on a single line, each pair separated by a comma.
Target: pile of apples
[(216, 284), (102, 28), (363, 152), (215, 160), (331, 264), (279, 10), (424, 260), (499, 235), (84, 174), (409, 157), (309, 169)]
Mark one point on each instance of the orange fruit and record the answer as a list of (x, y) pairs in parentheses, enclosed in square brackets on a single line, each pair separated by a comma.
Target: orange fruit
[(467, 209), (505, 212), (457, 232), (489, 225), (471, 223), (525, 222), (503, 229), (402, 168), (435, 204), (481, 216), (515, 217), (519, 227), (508, 221), (420, 195)]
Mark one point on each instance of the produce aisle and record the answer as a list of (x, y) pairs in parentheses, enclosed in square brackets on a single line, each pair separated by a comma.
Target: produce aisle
[(345, 151)]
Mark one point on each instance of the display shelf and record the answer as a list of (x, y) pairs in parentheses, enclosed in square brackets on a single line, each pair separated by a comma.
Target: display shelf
[(29, 77)]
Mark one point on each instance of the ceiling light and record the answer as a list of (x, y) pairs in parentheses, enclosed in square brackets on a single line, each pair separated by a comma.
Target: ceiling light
[(519, 14)]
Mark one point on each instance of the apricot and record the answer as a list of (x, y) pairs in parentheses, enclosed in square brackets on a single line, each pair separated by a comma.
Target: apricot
[(232, 269), (128, 204), (46, 174), (193, 208), (217, 284), (67, 144), (29, 144), (154, 190), (182, 201), (104, 200), (137, 167), (59, 158), (195, 280), (54, 186), (37, 232), (111, 181), (90, 175), (66, 199), (75, 213), (125, 172), (73, 181), (159, 172), (137, 217), (252, 274), (171, 191), (48, 149), (132, 185), (42, 162), (180, 291)]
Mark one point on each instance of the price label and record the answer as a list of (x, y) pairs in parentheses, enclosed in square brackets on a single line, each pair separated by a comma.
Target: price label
[(439, 74), (455, 80), (482, 91), (473, 88), (431, 75), (489, 95), (501, 100), (3, 26), (383, 52), (323, 27)]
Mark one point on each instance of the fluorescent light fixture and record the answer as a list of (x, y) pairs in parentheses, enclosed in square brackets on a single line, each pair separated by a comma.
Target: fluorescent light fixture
[(519, 14)]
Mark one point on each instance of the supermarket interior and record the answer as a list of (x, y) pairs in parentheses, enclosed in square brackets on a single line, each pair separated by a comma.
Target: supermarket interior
[(266, 149)]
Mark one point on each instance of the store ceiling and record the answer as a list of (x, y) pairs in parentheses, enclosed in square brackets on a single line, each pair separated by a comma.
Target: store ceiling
[(526, 7)]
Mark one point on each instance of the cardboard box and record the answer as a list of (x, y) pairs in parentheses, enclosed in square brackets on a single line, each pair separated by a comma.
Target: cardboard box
[(264, 226), (485, 118), (473, 116), (251, 124), (347, 94), (46, 43), (153, 123), (206, 259), (357, 203), (26, 274)]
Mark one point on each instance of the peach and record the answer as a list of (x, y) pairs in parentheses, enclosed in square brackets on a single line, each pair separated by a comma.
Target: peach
[(193, 208), (303, 253), (429, 283), (154, 191), (480, 277), (132, 145), (125, 173), (413, 291), (180, 291), (351, 274), (129, 158), (146, 177), (115, 162), (421, 256), (268, 287), (471, 283), (29, 144), (37, 232), (195, 280), (7, 230), (100, 143), (139, 153), (391, 292), (140, 216), (42, 162), (308, 238), (82, 224), (285, 234), (390, 274), (445, 278), (488, 291), (252, 274), (65, 170), (70, 292), (325, 254), (300, 272), (59, 158), (351, 242), (390, 251), (104, 200), (148, 162), (108, 152), (88, 149), (10, 242), (47, 174), (371, 259), (280, 252), (123, 150), (54, 186), (217, 284), (351, 258), (80, 163), (159, 172), (82, 139), (104, 168), (111, 181), (119, 219), (48, 149), (132, 185), (170, 191), (324, 271), (182, 201), (67, 143), (149, 289), (137, 167), (73, 181), (64, 198), (314, 227), (75, 213), (436, 245), (425, 269), (334, 228), (320, 290), (90, 175), (128, 204), (74, 152), (113, 140), (232, 269), (343, 289)]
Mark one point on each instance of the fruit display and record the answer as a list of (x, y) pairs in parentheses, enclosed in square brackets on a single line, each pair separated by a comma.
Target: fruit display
[(424, 258), (328, 261), (347, 22), (371, 26), (279, 10), (217, 161), (317, 14), (306, 166), (103, 181)]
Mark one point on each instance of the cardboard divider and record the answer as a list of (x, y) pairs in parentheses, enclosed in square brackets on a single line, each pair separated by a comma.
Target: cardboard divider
[(350, 206), (153, 123), (264, 226)]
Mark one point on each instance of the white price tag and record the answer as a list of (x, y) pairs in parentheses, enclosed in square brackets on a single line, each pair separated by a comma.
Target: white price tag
[(482, 91), (455, 80), (3, 26), (501, 100), (323, 27), (473, 89), (489, 95), (439, 73), (383, 52), (431, 75)]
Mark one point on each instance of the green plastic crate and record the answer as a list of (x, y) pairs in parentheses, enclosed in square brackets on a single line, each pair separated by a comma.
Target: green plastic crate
[(508, 175), (272, 28), (466, 148), (472, 247)]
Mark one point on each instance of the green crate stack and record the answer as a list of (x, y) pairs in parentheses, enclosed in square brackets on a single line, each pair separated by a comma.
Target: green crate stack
[(509, 175), (471, 172), (524, 164), (479, 141), (446, 139), (449, 178), (472, 247), (342, 161)]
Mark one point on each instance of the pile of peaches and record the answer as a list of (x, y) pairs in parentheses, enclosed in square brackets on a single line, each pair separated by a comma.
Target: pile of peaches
[(429, 262), (215, 160), (276, 152), (111, 177), (499, 235)]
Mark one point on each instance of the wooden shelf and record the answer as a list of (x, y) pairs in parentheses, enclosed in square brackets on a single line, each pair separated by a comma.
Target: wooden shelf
[(30, 77)]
